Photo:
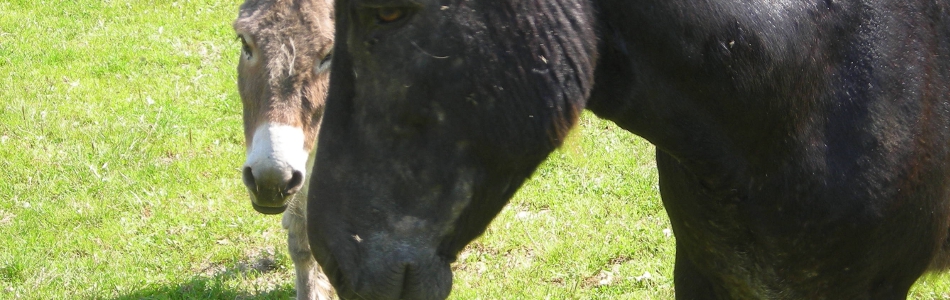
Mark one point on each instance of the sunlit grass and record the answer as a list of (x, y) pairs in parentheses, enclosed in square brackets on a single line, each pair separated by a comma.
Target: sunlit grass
[(119, 143), (589, 225)]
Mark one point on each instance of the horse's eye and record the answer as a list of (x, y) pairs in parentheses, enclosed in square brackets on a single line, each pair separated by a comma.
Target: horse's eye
[(245, 47), (389, 14)]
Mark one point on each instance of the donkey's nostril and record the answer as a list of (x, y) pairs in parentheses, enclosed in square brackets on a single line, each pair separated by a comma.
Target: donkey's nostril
[(249, 179), (295, 183)]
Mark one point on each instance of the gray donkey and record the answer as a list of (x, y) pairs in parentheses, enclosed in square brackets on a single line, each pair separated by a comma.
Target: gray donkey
[(283, 78)]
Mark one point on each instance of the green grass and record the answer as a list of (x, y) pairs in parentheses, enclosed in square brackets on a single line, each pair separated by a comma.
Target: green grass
[(590, 225), (119, 149), (120, 145)]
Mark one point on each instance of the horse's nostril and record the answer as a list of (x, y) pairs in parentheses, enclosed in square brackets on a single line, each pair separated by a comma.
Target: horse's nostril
[(249, 179), (295, 183)]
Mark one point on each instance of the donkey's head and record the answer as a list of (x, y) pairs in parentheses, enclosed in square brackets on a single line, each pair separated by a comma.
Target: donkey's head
[(282, 78)]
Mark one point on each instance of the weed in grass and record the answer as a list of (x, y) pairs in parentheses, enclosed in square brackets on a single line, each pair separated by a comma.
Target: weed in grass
[(12, 272)]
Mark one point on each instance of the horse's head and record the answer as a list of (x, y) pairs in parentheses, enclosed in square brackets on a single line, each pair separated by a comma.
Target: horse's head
[(436, 115)]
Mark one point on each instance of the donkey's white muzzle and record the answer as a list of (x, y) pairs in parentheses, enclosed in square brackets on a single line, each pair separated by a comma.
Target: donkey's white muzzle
[(276, 166)]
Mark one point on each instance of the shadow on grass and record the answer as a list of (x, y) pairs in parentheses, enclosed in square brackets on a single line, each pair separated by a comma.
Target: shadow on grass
[(207, 288), (222, 283)]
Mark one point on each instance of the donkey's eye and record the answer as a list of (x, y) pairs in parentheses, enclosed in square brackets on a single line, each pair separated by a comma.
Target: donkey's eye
[(324, 64), (245, 48), (390, 14)]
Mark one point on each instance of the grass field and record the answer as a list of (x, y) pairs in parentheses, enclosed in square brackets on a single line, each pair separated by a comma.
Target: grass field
[(120, 145)]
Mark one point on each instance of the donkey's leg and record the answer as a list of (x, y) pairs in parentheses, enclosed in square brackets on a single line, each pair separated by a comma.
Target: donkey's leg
[(312, 284)]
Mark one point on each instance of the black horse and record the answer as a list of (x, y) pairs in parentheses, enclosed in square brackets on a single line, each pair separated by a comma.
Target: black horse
[(802, 146)]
